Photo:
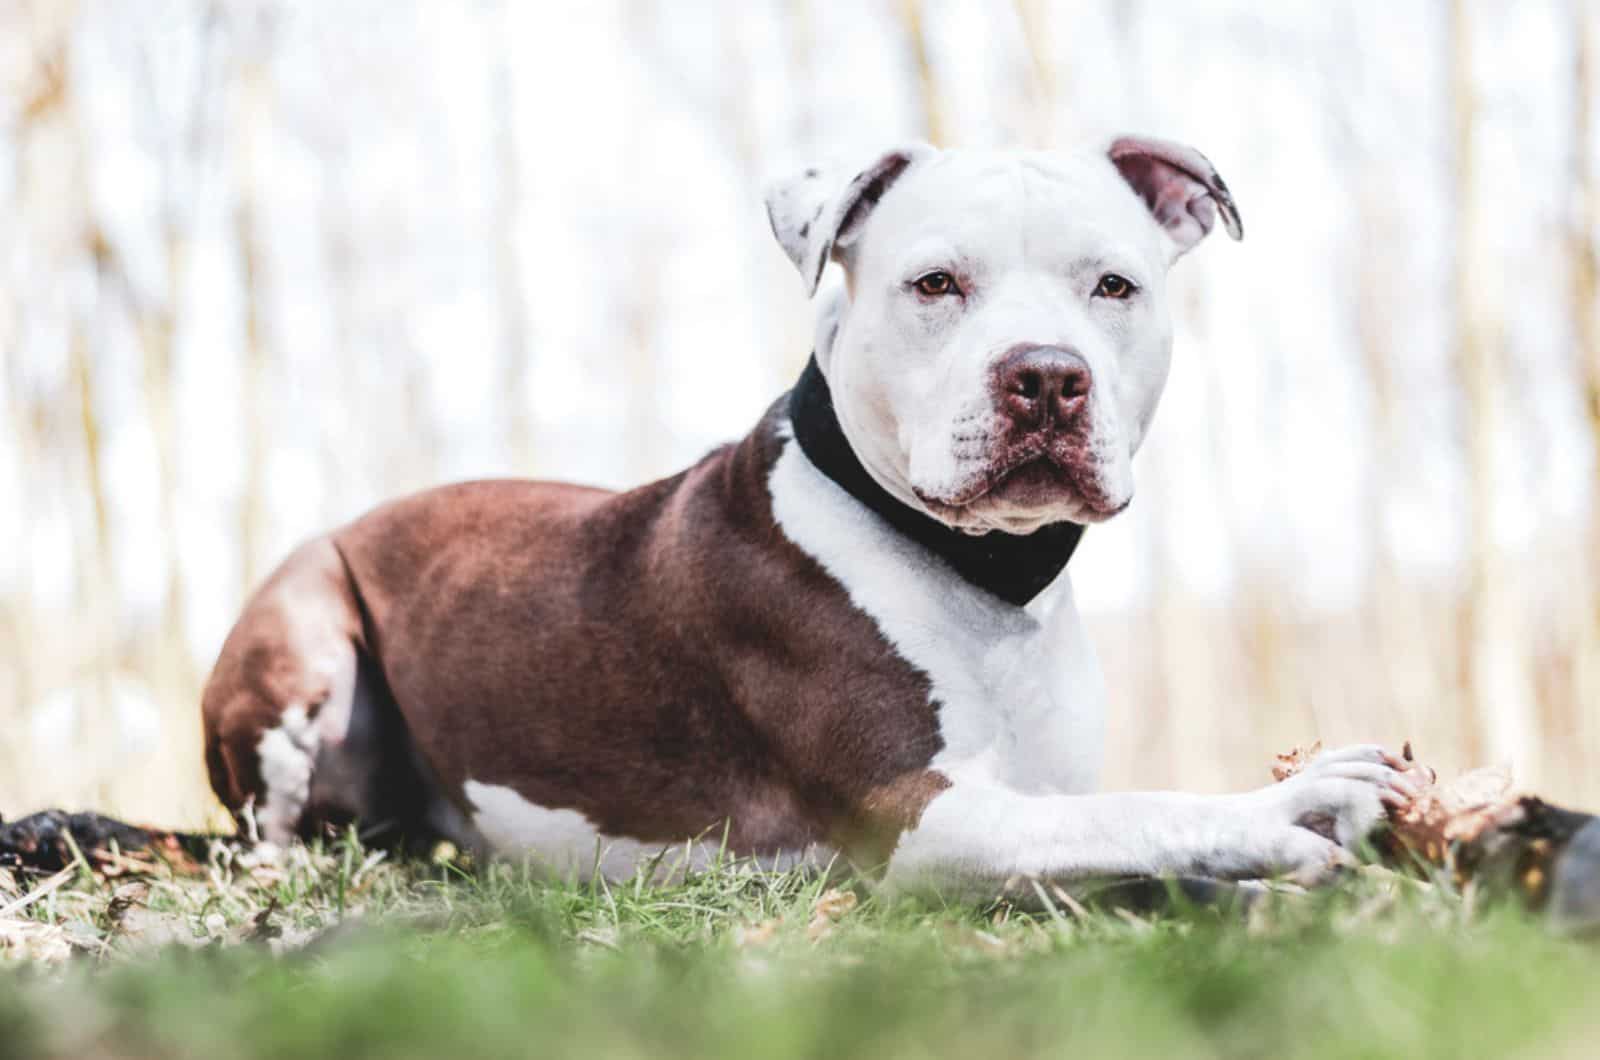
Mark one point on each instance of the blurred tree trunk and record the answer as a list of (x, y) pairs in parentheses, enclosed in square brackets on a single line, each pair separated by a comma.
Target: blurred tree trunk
[(1583, 262), (1036, 19), (50, 102), (156, 325), (775, 307), (1203, 677), (16, 604), (1406, 650), (28, 414), (345, 454), (1584, 256), (639, 298), (510, 281), (157, 333), (792, 322), (934, 121), (55, 102), (641, 322), (1492, 636), (799, 18), (54, 185), (251, 101)]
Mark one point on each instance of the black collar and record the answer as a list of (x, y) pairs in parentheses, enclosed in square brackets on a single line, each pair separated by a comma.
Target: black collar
[(1014, 567)]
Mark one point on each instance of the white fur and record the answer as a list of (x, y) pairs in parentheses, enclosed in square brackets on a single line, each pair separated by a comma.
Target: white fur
[(1021, 707), (1022, 702), (287, 754), (568, 844)]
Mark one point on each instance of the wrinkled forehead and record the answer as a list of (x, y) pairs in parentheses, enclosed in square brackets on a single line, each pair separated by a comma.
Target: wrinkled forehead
[(1010, 206)]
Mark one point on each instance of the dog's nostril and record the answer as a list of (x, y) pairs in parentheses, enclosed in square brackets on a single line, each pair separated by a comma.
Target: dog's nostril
[(1038, 386)]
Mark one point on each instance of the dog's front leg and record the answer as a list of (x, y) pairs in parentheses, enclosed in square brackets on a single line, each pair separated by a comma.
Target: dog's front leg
[(975, 836)]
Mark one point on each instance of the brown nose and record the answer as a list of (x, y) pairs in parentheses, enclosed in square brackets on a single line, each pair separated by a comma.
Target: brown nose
[(1042, 386)]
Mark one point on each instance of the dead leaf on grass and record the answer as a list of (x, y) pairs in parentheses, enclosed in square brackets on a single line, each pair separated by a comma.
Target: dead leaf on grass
[(1294, 761), (1456, 812), (1442, 814), (748, 935), (829, 908)]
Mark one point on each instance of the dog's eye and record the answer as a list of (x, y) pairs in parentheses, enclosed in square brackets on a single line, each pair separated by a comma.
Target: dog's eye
[(1113, 286), (936, 284)]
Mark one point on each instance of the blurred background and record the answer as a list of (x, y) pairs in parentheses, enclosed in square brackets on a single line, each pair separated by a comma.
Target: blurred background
[(263, 265)]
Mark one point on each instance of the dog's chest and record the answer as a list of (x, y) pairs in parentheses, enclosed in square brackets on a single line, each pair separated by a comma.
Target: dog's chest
[(1019, 695)]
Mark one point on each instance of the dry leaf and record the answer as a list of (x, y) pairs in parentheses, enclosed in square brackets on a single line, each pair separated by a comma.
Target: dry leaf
[(1441, 815), (1289, 764), (755, 934), (832, 905), (1456, 812)]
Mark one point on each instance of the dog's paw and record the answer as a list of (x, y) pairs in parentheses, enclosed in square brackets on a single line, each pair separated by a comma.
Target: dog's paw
[(1308, 824)]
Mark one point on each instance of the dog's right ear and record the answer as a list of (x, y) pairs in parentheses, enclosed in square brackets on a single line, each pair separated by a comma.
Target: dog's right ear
[(1182, 189), (815, 221)]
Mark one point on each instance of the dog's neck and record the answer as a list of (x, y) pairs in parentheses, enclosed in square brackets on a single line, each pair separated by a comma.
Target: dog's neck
[(1014, 567)]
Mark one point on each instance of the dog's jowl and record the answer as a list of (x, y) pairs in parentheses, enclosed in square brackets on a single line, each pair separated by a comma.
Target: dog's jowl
[(851, 633)]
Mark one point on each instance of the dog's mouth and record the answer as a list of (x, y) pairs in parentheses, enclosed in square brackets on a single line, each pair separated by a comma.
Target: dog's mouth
[(1030, 481)]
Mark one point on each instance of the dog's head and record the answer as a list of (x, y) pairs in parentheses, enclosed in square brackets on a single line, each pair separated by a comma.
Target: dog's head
[(1002, 335)]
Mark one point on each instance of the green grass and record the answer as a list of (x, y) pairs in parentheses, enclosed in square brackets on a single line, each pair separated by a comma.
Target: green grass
[(337, 953)]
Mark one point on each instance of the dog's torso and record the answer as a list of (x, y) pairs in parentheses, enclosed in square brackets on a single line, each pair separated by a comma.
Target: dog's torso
[(741, 647)]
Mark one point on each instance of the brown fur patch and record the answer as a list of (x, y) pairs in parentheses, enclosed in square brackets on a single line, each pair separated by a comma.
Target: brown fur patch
[(661, 660)]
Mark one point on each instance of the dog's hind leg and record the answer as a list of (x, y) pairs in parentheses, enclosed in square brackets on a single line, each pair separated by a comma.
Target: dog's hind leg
[(364, 770), (282, 702)]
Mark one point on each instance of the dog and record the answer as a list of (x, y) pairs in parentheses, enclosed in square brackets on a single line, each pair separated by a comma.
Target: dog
[(850, 635)]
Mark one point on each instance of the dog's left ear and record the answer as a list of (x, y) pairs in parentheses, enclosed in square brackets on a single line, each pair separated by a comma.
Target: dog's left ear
[(815, 221), (1182, 189)]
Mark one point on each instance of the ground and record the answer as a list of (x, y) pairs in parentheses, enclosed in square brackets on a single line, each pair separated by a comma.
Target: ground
[(334, 950)]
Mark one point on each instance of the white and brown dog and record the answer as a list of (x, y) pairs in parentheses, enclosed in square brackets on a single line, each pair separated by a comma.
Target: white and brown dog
[(851, 632)]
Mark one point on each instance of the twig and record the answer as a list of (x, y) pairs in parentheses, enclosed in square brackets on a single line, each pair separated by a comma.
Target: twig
[(40, 891)]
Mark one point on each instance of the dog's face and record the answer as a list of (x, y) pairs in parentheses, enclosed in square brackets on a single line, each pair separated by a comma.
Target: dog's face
[(1002, 337)]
